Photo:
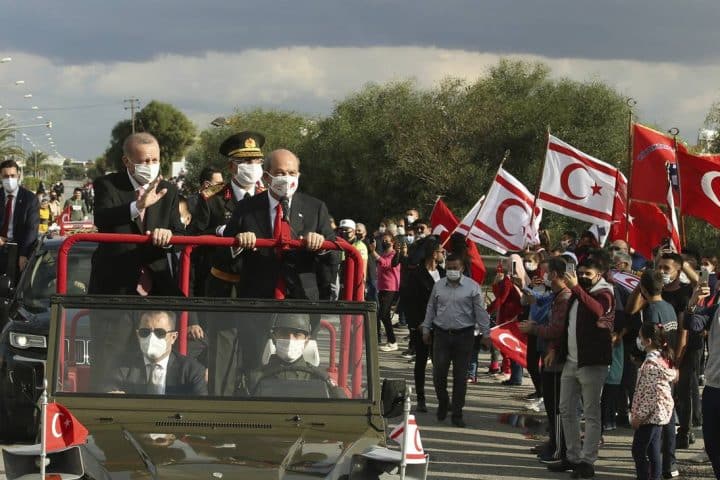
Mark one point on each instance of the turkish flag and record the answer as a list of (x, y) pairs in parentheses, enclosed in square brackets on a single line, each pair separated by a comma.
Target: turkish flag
[(511, 342), (618, 228), (648, 227), (576, 184), (62, 429), (698, 174), (502, 221), (443, 223), (651, 151)]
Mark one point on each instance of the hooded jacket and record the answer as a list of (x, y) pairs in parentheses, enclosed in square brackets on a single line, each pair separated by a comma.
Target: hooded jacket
[(653, 402), (595, 315)]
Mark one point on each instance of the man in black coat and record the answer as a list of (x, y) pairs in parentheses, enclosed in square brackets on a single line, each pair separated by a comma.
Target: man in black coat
[(19, 217), (155, 369), (133, 201), (266, 272)]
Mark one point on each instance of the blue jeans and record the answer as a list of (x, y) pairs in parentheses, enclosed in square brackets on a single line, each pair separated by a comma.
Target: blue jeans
[(472, 371), (646, 452), (711, 426), (516, 373)]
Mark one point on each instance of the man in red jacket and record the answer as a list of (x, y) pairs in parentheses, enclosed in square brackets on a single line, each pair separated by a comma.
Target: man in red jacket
[(587, 351)]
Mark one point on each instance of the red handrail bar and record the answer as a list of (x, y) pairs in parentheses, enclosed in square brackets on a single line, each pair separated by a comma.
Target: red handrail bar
[(332, 367), (354, 284)]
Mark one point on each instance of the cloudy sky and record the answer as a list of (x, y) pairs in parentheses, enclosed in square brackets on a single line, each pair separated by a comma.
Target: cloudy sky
[(80, 59)]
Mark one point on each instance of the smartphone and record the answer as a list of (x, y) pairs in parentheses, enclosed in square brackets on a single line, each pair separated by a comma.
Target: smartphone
[(704, 277), (569, 267)]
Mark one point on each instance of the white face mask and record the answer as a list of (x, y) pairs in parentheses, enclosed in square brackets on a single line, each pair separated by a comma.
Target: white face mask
[(683, 278), (10, 184), (289, 350), (453, 275), (639, 344), (666, 278), (284, 185), (401, 230), (706, 268), (146, 173), (153, 347), (546, 279), (248, 174), (382, 228), (565, 243), (410, 219), (530, 267), (409, 239)]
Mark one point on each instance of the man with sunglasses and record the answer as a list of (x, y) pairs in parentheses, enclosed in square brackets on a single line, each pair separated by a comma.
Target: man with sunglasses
[(154, 369)]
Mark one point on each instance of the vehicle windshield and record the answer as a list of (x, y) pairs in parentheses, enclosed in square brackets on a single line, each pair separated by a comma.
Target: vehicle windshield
[(39, 282), (239, 354)]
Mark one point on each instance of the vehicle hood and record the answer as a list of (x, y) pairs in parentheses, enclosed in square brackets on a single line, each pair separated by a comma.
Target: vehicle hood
[(286, 453), (27, 322)]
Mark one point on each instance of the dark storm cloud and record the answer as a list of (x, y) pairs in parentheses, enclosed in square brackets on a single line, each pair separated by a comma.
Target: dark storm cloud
[(73, 31)]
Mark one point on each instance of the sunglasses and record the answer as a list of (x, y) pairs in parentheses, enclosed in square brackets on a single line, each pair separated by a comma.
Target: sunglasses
[(159, 332)]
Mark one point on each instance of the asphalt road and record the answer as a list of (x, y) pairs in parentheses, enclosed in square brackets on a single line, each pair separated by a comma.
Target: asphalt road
[(491, 449)]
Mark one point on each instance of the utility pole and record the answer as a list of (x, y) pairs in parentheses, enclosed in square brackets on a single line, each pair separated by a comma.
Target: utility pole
[(133, 106)]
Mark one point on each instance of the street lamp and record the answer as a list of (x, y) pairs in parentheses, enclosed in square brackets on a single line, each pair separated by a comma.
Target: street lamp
[(15, 127)]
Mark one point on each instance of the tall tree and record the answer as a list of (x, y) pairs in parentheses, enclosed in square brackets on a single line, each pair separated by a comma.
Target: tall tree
[(36, 163), (8, 149), (174, 131)]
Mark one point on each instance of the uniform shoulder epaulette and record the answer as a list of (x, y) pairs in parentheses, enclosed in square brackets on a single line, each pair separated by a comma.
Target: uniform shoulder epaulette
[(212, 190)]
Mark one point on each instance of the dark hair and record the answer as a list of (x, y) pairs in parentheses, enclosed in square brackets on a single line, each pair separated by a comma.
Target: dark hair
[(557, 265), (601, 255), (9, 164), (431, 245), (672, 256), (532, 256), (77, 189), (452, 257), (207, 173), (652, 281), (655, 332), (571, 234), (594, 263)]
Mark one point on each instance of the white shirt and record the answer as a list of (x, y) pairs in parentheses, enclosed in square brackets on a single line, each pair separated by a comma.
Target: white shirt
[(159, 375), (435, 274), (572, 355), (240, 192), (134, 212), (12, 216)]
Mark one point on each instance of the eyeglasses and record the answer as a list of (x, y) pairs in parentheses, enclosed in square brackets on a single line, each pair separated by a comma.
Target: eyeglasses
[(159, 332), (615, 248)]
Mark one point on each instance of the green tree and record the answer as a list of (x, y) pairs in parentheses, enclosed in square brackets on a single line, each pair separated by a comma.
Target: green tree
[(281, 130), (712, 121), (36, 164), (170, 126), (8, 149)]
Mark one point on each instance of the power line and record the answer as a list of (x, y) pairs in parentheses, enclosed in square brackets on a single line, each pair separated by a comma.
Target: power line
[(134, 102)]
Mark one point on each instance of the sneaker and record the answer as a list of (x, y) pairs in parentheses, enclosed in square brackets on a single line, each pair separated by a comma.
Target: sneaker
[(472, 379), (459, 422), (409, 354), (534, 405), (672, 473), (540, 448), (583, 470), (509, 383), (563, 466), (532, 396), (548, 458), (389, 347), (421, 407)]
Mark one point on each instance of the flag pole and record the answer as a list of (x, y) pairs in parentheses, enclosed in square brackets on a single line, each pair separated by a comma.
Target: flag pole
[(43, 427), (631, 102), (406, 433), (683, 235), (506, 156), (540, 175)]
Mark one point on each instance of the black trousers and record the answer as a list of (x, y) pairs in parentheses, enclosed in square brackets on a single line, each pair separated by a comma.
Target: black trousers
[(533, 364), (386, 298), (551, 399), (422, 353), (455, 348), (629, 378), (646, 452), (687, 392)]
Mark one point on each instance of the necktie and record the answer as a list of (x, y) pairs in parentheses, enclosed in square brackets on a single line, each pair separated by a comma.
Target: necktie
[(154, 379), (281, 230), (138, 194), (8, 216)]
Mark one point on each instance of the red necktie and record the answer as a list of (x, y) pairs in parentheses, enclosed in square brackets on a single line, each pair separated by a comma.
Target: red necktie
[(8, 216), (281, 230)]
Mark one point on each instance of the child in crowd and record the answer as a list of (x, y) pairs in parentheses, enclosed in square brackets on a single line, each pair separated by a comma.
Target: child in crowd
[(652, 403)]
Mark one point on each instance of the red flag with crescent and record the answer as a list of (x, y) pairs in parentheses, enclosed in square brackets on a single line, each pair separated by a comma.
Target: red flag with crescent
[(699, 186), (647, 228), (510, 341), (576, 184), (651, 152), (504, 222), (443, 223), (62, 429)]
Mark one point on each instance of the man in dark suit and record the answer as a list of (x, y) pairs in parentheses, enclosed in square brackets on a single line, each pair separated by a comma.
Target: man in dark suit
[(137, 201), (19, 218), (155, 369), (266, 273)]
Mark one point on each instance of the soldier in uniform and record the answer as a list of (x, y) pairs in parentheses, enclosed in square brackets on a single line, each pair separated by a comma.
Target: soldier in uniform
[(290, 337), (217, 204)]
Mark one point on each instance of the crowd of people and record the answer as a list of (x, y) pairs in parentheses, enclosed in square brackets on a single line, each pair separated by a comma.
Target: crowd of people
[(52, 204), (620, 354)]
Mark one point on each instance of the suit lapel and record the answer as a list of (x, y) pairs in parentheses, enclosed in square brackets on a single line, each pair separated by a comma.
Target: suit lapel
[(262, 215), (297, 222), (127, 194)]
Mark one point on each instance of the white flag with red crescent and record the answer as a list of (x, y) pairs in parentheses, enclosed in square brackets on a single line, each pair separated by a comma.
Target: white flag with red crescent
[(414, 452), (576, 184), (503, 221)]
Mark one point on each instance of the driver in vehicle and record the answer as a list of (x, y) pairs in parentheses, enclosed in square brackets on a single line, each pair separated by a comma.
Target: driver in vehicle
[(291, 355), (154, 368)]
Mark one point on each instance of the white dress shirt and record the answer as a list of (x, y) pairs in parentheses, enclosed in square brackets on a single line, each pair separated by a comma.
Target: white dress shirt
[(134, 211), (158, 373), (10, 231)]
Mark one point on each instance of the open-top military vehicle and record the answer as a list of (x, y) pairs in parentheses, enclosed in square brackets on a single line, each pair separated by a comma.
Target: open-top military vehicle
[(320, 417)]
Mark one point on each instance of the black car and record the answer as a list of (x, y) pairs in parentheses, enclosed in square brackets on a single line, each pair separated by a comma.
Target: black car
[(23, 341)]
